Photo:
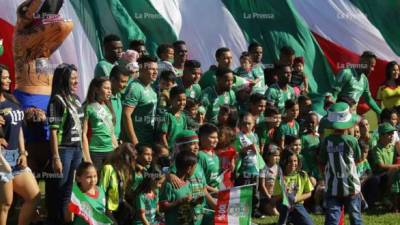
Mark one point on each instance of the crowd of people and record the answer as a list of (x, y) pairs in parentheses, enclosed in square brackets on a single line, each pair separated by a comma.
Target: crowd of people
[(155, 139)]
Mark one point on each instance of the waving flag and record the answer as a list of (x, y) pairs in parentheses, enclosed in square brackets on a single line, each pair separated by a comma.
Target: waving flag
[(80, 207), (234, 206)]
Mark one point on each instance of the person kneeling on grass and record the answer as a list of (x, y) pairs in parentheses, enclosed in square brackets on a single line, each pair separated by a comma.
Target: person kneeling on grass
[(292, 186)]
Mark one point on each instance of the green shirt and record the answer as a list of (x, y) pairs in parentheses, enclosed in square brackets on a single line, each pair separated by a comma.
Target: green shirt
[(208, 79), (310, 147), (251, 162), (288, 128), (148, 203), (297, 182), (102, 128), (193, 92), (103, 68), (144, 99), (349, 83), (339, 154), (182, 214), (382, 155), (245, 74), (363, 169), (172, 126), (278, 97), (98, 202), (116, 101), (211, 167), (212, 102)]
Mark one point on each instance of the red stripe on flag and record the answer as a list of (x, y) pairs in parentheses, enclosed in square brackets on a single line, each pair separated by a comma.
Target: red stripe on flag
[(6, 33), (221, 212), (339, 56)]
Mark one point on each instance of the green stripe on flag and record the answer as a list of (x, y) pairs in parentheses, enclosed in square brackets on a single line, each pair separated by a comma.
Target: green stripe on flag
[(384, 15), (246, 197), (100, 18), (152, 23), (276, 23)]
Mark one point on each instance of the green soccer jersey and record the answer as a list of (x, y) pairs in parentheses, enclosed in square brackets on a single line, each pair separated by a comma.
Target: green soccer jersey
[(382, 155), (209, 161), (103, 68), (101, 125), (250, 162), (208, 79), (144, 99), (297, 182), (363, 169), (339, 154), (244, 73), (172, 126), (212, 102), (288, 128), (116, 102), (193, 92), (98, 201), (310, 147), (147, 203), (197, 184), (182, 214), (278, 97)]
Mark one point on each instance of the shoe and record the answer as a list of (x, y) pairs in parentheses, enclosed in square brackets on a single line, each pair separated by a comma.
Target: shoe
[(257, 214)]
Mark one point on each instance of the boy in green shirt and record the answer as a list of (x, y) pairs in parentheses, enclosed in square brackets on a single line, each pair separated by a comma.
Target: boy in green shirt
[(119, 77), (214, 97), (139, 104), (188, 80), (174, 120), (266, 129)]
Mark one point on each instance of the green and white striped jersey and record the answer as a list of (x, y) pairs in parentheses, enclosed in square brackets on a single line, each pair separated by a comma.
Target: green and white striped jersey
[(339, 154)]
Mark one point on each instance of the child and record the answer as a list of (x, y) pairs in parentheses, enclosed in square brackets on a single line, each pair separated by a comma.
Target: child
[(194, 113), (227, 154), (245, 69), (299, 79), (290, 127), (147, 200), (208, 158), (188, 81), (166, 54), (295, 185), (177, 203), (144, 160), (228, 116), (250, 161), (365, 135), (305, 105), (363, 167), (266, 130), (258, 104), (99, 119), (115, 178), (174, 120), (86, 179), (167, 81), (220, 94), (161, 157), (339, 154), (267, 179)]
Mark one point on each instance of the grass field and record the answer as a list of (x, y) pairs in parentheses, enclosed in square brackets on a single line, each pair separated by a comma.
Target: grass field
[(369, 218)]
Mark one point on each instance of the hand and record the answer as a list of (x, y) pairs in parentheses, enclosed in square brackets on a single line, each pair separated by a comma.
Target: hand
[(175, 181), (57, 165), (22, 161), (3, 142), (186, 199), (2, 121), (198, 200)]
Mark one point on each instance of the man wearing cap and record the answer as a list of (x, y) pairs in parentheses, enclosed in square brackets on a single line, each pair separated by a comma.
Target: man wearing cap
[(383, 163), (353, 82), (340, 153)]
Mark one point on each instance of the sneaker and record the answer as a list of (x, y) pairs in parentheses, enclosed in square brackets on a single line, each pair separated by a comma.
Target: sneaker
[(257, 214)]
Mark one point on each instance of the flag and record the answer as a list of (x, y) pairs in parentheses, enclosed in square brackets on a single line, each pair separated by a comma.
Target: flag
[(281, 182), (234, 206), (225, 180), (80, 207), (227, 158)]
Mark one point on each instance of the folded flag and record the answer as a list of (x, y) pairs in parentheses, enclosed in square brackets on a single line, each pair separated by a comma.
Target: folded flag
[(81, 207), (234, 206)]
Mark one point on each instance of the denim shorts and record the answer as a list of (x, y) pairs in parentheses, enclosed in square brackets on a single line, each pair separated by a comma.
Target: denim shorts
[(11, 157)]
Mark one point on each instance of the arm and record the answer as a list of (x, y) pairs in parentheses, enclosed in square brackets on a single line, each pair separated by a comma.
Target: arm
[(4, 166), (211, 202), (302, 197), (142, 217), (164, 139), (127, 113), (85, 142), (166, 205), (371, 102), (388, 168), (22, 161), (263, 188), (56, 162)]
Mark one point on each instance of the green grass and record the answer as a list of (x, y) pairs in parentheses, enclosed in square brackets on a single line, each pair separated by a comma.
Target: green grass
[(375, 217)]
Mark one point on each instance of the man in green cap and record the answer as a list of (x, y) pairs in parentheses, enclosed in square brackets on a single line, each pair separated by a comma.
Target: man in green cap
[(383, 163), (340, 153)]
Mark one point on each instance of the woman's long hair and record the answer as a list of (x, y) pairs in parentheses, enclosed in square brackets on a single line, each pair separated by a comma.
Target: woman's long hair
[(5, 93), (92, 94), (61, 80), (122, 160), (388, 70)]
